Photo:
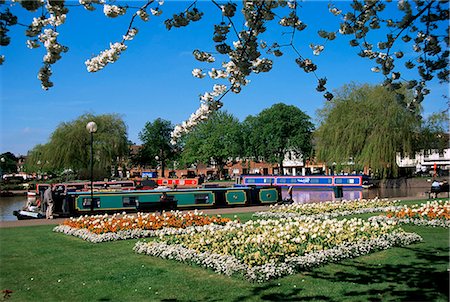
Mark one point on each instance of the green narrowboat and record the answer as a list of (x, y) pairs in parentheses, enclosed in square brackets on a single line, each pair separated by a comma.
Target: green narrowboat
[(148, 200)]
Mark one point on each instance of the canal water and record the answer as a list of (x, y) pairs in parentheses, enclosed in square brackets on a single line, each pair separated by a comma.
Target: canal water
[(10, 204)]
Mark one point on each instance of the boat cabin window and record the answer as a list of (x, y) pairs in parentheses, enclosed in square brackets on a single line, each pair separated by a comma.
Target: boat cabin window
[(128, 184), (344, 180), (129, 201), (201, 198), (320, 180), (87, 202)]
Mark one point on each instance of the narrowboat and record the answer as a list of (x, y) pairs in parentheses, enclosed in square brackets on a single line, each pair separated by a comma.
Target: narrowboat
[(74, 203), (150, 200), (310, 181)]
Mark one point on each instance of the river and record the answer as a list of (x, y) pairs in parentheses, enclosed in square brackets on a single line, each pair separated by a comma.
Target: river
[(10, 204)]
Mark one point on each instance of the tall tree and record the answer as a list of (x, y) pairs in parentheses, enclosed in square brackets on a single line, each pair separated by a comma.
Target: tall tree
[(217, 140), (38, 160), (8, 163), (366, 125), (434, 133), (156, 148), (278, 130), (69, 145)]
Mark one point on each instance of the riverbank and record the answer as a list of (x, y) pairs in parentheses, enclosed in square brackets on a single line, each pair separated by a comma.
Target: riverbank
[(220, 211), (37, 222), (7, 193)]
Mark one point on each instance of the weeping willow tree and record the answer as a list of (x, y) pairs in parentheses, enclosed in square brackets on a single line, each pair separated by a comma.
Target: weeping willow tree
[(366, 126), (69, 146)]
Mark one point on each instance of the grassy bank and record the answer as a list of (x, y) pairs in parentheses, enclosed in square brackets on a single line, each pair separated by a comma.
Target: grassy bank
[(40, 265)]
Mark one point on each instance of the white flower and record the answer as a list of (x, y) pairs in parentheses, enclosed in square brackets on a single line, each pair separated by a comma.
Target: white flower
[(113, 11), (130, 34), (335, 11), (33, 44), (217, 74), (375, 69), (292, 4), (219, 89), (156, 12), (317, 49), (105, 57), (198, 73), (143, 15)]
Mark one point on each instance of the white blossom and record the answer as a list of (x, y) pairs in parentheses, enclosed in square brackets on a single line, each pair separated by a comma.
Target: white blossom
[(33, 44), (217, 74), (335, 11), (130, 34), (375, 69), (198, 73), (143, 15), (105, 57), (156, 12), (57, 20), (208, 105), (317, 49), (113, 11), (88, 4), (219, 90)]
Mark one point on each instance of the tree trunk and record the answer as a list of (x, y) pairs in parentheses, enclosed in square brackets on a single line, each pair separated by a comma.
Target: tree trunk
[(163, 164), (281, 167)]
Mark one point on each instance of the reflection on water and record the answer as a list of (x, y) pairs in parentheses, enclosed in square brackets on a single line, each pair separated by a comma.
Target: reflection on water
[(10, 204), (309, 195)]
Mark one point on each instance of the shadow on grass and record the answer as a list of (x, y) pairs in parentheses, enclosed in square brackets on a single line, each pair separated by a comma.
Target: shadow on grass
[(264, 293), (418, 275), (412, 281)]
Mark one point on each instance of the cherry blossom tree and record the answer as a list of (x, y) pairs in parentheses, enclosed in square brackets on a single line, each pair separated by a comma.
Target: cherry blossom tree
[(240, 51)]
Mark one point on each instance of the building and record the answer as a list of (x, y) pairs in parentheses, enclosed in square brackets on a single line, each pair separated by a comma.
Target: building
[(428, 162)]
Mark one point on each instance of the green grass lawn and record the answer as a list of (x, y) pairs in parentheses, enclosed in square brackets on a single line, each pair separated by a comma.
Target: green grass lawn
[(40, 265)]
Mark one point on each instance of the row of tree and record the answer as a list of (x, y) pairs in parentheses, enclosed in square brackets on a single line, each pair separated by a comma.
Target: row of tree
[(365, 125)]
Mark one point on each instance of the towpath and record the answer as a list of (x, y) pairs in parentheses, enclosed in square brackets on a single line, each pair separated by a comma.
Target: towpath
[(33, 222), (234, 210)]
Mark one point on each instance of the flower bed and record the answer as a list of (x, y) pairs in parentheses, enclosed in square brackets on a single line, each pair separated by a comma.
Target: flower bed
[(100, 228), (329, 209), (265, 249), (432, 213)]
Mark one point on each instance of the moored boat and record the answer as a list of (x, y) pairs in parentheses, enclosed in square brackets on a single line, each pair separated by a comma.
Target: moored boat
[(72, 203), (148, 200), (24, 214), (310, 181)]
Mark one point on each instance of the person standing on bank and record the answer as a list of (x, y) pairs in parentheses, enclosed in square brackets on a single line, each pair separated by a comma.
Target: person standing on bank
[(48, 201)]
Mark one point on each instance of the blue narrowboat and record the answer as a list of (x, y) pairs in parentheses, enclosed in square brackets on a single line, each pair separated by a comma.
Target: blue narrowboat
[(310, 181)]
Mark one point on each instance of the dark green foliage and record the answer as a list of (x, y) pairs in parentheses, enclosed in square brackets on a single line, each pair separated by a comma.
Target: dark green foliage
[(434, 133), (366, 125), (216, 140), (69, 146), (8, 163), (276, 131), (156, 147)]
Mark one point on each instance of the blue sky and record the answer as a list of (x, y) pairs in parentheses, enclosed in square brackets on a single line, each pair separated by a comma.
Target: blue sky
[(153, 78)]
